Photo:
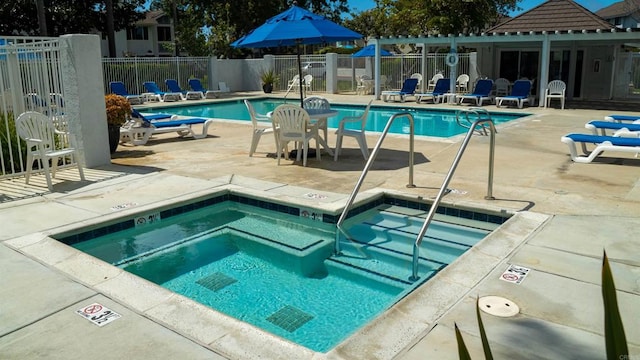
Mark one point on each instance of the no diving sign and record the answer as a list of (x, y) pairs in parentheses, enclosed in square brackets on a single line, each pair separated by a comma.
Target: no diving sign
[(514, 274), (98, 314)]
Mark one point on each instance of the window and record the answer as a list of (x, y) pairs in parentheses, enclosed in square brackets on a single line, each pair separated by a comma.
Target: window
[(164, 33), (137, 33)]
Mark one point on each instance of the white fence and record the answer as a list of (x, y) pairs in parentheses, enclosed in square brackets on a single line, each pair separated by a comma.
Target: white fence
[(30, 79)]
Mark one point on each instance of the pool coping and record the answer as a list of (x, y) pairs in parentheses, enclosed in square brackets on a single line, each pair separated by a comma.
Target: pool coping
[(395, 330)]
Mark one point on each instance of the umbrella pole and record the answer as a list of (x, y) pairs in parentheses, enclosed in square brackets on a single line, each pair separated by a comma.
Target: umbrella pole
[(300, 78)]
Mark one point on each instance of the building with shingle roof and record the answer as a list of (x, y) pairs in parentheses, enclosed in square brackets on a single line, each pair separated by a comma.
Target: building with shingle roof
[(556, 40), (152, 35), (623, 14)]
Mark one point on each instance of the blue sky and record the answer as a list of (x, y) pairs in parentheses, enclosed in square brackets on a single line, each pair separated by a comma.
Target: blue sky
[(593, 5)]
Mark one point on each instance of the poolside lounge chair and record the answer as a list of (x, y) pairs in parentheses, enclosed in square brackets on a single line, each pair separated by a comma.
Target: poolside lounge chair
[(173, 86), (481, 92), (555, 90), (139, 129), (519, 94), (437, 95), (196, 85), (118, 88), (408, 88), (153, 88), (619, 129), (621, 118), (44, 143), (603, 143)]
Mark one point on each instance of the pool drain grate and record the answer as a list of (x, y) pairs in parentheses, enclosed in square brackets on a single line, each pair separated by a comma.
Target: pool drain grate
[(289, 318), (216, 281)]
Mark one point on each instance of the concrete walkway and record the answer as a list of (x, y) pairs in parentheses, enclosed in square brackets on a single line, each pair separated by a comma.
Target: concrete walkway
[(566, 215)]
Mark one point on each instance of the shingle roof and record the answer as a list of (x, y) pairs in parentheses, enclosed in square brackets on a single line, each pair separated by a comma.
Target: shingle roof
[(622, 8), (553, 15), (151, 17)]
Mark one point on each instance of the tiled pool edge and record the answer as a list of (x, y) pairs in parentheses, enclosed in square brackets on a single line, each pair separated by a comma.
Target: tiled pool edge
[(218, 333)]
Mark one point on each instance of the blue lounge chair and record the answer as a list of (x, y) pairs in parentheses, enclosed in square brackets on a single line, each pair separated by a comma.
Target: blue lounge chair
[(441, 88), (481, 92), (519, 94), (196, 85), (408, 88), (153, 88), (603, 143), (118, 88), (139, 129), (173, 86), (620, 129), (621, 118)]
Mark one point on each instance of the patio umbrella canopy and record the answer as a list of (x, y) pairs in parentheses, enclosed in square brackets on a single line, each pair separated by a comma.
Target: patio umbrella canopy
[(296, 26), (370, 51)]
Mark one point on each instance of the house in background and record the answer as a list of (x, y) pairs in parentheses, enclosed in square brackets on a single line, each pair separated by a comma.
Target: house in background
[(623, 14), (152, 36)]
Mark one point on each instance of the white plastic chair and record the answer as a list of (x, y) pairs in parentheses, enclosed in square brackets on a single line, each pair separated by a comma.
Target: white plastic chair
[(502, 87), (419, 77), (363, 85), (556, 89), (292, 123), (257, 130), (358, 134), (38, 131), (307, 80), (222, 86), (462, 83), (318, 103), (432, 83)]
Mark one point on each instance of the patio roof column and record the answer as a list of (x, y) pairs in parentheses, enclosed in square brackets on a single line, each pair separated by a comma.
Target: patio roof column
[(544, 69), (376, 70), (453, 76), (423, 67)]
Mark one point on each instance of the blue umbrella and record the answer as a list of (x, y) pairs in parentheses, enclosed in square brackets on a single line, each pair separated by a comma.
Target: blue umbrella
[(295, 26), (370, 50)]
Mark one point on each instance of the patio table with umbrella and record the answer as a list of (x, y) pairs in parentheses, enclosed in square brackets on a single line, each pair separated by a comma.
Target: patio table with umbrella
[(368, 52), (294, 27)]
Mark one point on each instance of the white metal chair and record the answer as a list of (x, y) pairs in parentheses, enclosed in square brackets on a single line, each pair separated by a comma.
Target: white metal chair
[(358, 133), (292, 124), (38, 131), (258, 131), (556, 89)]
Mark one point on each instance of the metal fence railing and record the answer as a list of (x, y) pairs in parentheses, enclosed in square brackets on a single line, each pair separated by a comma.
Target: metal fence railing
[(133, 72), (30, 80), (286, 67)]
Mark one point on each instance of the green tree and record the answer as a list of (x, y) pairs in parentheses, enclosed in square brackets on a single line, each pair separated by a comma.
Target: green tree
[(20, 17)]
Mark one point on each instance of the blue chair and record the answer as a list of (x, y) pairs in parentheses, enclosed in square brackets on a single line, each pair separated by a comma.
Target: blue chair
[(118, 88), (442, 87), (481, 92), (139, 129), (173, 86), (196, 85), (603, 143), (600, 127), (520, 92), (153, 88), (408, 88)]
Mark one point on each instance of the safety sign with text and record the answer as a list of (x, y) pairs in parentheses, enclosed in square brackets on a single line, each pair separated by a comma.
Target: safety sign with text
[(98, 314)]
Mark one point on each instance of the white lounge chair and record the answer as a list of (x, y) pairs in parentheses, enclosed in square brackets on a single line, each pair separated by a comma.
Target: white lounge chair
[(519, 94), (196, 85), (619, 129), (174, 87), (118, 88), (438, 93), (408, 89), (481, 93), (44, 143), (138, 130), (603, 143), (358, 133), (258, 131), (555, 90), (621, 118)]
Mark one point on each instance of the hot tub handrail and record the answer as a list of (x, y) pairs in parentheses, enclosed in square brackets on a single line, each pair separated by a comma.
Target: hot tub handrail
[(367, 166), (482, 117)]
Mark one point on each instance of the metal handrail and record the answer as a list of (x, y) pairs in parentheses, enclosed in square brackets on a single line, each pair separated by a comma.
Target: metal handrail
[(365, 171), (482, 117)]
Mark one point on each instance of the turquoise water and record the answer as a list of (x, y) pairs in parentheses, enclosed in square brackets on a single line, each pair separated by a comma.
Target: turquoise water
[(277, 272), (428, 122)]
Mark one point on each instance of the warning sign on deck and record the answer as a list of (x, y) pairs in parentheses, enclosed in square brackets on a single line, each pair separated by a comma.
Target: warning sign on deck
[(514, 274), (98, 314)]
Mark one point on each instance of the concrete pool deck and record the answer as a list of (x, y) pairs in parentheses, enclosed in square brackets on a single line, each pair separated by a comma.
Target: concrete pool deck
[(567, 215)]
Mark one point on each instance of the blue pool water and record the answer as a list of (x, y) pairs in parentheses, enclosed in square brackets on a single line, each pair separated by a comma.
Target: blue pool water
[(428, 122), (273, 267)]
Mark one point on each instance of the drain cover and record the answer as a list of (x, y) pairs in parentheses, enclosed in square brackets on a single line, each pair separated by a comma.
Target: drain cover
[(498, 306)]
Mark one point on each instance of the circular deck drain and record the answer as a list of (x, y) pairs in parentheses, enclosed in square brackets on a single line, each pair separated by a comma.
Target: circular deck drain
[(498, 306)]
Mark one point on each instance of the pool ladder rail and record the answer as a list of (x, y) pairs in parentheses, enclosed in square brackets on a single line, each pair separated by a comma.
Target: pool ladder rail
[(476, 120)]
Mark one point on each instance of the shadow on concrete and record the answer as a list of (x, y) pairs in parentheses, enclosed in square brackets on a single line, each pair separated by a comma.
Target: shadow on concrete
[(351, 159)]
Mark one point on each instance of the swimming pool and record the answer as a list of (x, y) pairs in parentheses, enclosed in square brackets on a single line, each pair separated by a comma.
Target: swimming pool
[(428, 122), (227, 254)]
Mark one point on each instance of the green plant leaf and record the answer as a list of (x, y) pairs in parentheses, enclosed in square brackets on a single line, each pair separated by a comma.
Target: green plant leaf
[(615, 339), (463, 353), (483, 334)]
